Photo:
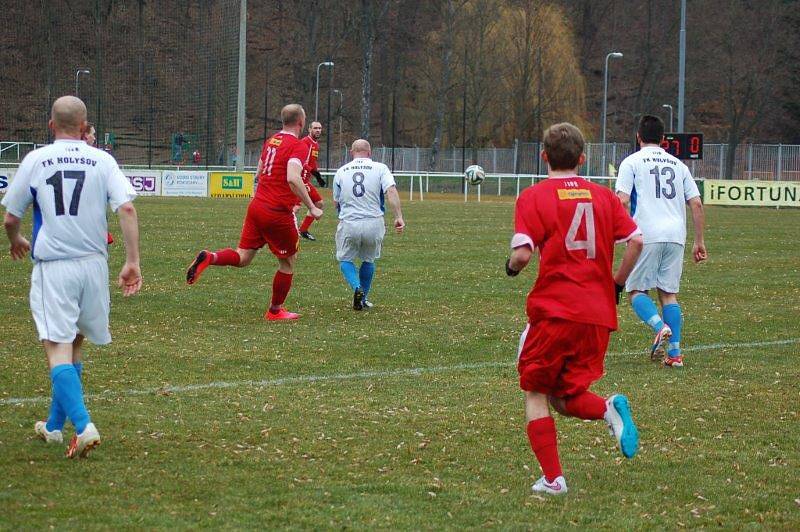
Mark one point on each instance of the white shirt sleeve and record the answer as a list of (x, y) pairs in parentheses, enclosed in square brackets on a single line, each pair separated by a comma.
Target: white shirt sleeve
[(625, 177), (337, 186), (19, 195), (387, 179), (690, 189), (120, 190)]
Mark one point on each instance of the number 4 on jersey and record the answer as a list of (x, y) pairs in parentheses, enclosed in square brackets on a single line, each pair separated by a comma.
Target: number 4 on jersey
[(582, 211)]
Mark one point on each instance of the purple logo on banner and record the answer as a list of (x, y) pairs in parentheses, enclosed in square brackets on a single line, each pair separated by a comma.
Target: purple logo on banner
[(143, 183)]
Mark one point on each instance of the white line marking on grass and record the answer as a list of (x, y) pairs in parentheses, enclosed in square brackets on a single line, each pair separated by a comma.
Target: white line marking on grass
[(401, 372)]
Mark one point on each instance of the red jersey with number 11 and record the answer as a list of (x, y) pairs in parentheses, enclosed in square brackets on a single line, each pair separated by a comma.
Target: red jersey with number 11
[(574, 224), (273, 188)]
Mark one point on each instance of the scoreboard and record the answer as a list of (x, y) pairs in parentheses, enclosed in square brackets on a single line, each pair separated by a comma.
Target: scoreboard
[(683, 145)]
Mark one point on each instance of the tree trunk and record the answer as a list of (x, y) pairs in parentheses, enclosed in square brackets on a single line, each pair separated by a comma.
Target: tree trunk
[(441, 94), (367, 26)]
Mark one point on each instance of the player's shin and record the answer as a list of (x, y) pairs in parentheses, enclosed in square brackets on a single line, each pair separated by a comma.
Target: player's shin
[(281, 284), (350, 274), (225, 257), (673, 317), (544, 444), (306, 224), (57, 417), (585, 405), (67, 391), (365, 274), (644, 307)]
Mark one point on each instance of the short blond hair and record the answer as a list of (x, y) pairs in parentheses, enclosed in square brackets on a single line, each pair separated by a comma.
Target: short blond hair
[(563, 144), (292, 114)]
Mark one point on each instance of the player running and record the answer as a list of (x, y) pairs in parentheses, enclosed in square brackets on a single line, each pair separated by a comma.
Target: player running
[(657, 187), (270, 215), (358, 192), (571, 313), (70, 185), (310, 169)]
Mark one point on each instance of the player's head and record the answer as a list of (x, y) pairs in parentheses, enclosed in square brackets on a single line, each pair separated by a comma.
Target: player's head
[(68, 117), (360, 148), (563, 147), (651, 130), (90, 135), (293, 116), (315, 130)]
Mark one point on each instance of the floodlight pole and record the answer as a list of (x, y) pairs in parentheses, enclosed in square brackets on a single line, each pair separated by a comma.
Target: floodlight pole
[(241, 96), (682, 68), (341, 102), (77, 76), (668, 106), (610, 55), (316, 100)]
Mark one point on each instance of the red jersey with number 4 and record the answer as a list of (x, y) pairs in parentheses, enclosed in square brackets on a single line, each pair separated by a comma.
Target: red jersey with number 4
[(574, 224), (310, 162), (273, 187)]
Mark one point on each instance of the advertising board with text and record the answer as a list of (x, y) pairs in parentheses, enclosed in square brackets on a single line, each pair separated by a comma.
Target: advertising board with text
[(231, 184), (145, 182), (184, 183)]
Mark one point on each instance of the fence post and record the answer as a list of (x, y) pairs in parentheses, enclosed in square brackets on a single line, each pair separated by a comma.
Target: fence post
[(721, 160), (499, 184), (411, 188), (780, 161), (516, 153), (614, 155), (421, 198), (750, 161), (427, 183), (517, 185), (417, 149), (494, 161)]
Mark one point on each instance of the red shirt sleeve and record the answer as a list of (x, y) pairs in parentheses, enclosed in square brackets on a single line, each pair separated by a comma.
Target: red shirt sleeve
[(528, 228), (299, 151), (624, 226)]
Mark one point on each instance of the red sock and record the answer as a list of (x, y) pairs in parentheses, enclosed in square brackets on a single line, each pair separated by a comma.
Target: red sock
[(225, 257), (281, 284), (586, 406), (307, 221), (542, 435)]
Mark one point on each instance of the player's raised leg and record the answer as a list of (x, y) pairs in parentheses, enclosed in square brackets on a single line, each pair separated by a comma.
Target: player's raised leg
[(238, 258), (646, 310)]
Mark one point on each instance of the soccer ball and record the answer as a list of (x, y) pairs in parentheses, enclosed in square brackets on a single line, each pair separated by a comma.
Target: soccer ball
[(474, 175)]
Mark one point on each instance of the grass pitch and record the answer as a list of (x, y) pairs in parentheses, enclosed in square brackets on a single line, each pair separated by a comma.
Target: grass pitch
[(408, 415)]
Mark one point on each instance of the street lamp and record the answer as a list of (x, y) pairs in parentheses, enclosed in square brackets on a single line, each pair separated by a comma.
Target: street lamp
[(668, 106), (615, 55), (316, 104), (341, 103), (77, 75)]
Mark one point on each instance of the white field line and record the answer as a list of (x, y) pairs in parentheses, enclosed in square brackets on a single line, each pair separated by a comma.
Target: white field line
[(402, 372)]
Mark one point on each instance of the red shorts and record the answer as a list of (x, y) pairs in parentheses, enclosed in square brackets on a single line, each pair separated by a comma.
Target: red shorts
[(263, 225), (561, 358)]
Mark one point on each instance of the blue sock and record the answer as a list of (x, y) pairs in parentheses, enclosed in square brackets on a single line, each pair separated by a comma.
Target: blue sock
[(674, 318), (69, 395), (350, 274), (647, 311), (57, 415), (366, 273)]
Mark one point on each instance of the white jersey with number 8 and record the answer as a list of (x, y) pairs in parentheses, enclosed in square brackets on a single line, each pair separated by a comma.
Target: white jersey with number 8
[(359, 187), (659, 185), (70, 185)]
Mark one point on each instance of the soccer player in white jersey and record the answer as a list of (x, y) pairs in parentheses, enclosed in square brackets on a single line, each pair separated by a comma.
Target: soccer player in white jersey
[(359, 189), (657, 186), (70, 185)]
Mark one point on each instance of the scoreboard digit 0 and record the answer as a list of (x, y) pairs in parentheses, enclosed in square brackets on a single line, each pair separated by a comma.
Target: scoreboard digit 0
[(684, 145)]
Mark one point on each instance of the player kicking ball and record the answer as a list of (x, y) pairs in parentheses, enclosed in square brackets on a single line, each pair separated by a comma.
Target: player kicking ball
[(270, 216), (70, 185), (571, 309)]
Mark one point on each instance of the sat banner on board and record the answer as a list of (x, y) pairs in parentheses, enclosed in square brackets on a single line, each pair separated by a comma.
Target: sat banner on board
[(184, 183), (751, 193), (6, 175), (231, 184), (145, 182)]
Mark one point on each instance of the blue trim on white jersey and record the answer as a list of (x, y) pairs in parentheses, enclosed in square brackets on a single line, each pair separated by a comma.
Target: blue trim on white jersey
[(633, 201), (383, 206), (37, 222)]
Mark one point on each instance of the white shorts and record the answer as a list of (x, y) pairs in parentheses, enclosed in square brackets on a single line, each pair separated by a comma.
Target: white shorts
[(659, 266), (360, 239), (70, 297)]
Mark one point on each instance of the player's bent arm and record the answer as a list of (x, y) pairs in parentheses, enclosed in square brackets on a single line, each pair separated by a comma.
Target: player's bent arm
[(294, 171), (624, 198), (519, 259), (19, 244), (632, 251), (130, 278), (394, 202), (699, 252)]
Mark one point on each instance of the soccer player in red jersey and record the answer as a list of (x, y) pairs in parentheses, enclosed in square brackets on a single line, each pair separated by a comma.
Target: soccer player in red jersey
[(310, 168), (270, 216), (571, 310)]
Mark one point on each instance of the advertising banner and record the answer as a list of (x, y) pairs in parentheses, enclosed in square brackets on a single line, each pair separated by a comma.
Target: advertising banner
[(145, 182), (231, 184), (751, 193), (184, 183), (6, 175)]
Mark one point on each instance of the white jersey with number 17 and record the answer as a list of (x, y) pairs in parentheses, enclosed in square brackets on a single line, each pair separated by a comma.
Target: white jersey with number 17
[(70, 185), (659, 185), (359, 187)]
